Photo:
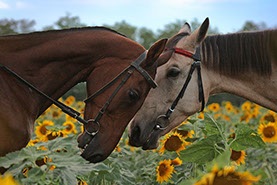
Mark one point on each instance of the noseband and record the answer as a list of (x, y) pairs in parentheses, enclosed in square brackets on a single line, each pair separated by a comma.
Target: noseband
[(195, 65), (135, 65)]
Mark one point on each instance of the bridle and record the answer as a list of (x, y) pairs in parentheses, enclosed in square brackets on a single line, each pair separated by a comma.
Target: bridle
[(127, 72), (135, 65), (195, 65)]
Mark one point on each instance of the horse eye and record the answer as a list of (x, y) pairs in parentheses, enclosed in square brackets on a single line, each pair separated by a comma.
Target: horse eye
[(173, 72), (133, 95)]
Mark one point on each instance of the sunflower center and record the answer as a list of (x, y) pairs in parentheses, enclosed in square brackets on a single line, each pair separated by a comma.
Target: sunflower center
[(230, 179), (173, 143), (163, 169), (43, 129), (69, 127), (235, 155), (55, 114), (183, 133), (269, 132), (269, 118)]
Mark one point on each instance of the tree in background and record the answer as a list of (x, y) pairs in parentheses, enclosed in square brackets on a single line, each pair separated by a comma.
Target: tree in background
[(145, 37), (66, 22), (251, 26), (11, 26)]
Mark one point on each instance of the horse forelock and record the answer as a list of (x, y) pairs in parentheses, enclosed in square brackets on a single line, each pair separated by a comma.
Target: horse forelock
[(232, 54)]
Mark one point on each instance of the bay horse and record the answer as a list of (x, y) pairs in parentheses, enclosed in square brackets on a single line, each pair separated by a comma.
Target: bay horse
[(55, 61), (244, 64)]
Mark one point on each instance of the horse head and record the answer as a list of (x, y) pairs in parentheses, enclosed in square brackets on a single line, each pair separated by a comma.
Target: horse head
[(156, 117), (121, 97)]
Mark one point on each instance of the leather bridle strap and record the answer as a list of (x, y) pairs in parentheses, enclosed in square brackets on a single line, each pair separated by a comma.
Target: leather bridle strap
[(195, 65), (71, 112), (103, 109)]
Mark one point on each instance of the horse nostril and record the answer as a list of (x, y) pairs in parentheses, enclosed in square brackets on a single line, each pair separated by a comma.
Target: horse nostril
[(161, 123), (134, 139), (136, 133), (83, 140)]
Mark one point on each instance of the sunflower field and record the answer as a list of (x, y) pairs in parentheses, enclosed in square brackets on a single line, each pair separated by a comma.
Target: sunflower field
[(224, 144)]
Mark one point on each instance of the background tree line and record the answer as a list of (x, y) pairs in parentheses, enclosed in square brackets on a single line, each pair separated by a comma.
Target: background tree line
[(142, 35)]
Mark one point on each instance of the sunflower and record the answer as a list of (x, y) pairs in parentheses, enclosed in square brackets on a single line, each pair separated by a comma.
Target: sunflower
[(42, 148), (52, 167), (7, 179), (69, 100), (118, 148), (164, 171), (176, 162), (227, 176), (32, 142), (246, 117), (268, 132), (173, 142), (80, 106), (185, 133), (246, 106), (41, 129), (226, 118), (270, 116), (69, 118), (201, 115), (229, 107), (214, 107), (238, 156), (82, 182), (255, 110), (70, 128), (56, 113), (54, 134), (25, 171), (43, 161)]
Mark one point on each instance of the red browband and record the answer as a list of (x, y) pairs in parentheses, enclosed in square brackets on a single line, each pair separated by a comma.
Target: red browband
[(186, 53), (183, 52)]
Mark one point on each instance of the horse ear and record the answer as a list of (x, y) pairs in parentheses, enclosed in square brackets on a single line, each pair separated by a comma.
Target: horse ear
[(199, 35), (154, 52), (185, 29)]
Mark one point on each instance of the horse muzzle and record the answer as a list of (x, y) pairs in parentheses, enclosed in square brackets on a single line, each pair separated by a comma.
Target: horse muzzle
[(145, 137)]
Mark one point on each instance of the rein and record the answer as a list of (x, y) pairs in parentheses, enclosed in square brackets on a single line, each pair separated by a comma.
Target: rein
[(195, 65), (135, 65), (66, 109)]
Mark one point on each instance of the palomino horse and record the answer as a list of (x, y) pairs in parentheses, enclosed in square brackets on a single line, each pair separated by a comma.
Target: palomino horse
[(243, 64), (53, 62)]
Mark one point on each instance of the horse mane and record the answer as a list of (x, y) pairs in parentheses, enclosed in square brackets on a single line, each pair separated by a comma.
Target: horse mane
[(67, 30), (232, 54)]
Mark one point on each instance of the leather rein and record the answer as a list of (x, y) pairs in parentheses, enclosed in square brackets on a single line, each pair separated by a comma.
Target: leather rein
[(195, 65), (135, 65)]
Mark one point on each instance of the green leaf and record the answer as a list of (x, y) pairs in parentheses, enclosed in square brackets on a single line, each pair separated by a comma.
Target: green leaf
[(246, 138), (223, 159), (202, 151), (212, 127)]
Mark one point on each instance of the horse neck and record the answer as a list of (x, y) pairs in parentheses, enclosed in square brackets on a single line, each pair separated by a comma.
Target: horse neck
[(56, 61), (242, 64)]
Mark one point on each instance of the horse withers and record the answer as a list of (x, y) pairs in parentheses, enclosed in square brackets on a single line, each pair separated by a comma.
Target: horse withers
[(243, 64), (55, 61)]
